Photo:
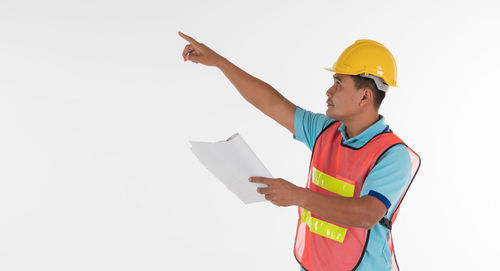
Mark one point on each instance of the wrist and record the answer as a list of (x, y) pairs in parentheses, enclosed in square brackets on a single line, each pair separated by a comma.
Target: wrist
[(221, 63), (301, 196)]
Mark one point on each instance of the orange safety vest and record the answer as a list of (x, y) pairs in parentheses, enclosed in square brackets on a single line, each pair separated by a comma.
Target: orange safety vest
[(340, 171)]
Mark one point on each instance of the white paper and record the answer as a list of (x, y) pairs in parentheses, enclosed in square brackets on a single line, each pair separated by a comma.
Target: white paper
[(233, 162)]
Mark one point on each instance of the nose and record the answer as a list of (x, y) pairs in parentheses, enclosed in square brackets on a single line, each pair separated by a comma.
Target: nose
[(329, 92)]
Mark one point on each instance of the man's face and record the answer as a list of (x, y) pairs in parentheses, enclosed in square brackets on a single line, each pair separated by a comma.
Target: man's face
[(343, 98)]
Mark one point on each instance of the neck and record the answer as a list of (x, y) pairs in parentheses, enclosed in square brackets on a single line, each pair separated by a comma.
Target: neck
[(357, 125)]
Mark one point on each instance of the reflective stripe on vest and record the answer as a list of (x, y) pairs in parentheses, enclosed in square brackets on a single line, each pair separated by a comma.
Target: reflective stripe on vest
[(332, 184), (323, 228)]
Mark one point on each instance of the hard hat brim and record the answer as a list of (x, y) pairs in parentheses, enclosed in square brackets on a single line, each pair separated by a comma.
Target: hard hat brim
[(333, 70)]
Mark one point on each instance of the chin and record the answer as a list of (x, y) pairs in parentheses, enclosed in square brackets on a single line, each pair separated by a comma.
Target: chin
[(330, 114)]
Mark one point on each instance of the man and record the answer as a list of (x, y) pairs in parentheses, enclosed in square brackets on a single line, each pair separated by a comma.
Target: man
[(359, 169)]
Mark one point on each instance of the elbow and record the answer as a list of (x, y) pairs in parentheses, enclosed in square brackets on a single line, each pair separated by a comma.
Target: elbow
[(370, 212), (369, 220)]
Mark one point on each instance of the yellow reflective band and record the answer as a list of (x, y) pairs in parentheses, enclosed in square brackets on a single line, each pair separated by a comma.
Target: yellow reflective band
[(323, 228), (332, 184)]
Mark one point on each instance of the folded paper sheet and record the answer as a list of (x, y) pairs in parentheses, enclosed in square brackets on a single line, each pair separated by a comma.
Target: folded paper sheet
[(233, 162)]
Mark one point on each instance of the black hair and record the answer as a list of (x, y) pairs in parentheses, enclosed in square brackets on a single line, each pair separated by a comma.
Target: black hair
[(363, 82)]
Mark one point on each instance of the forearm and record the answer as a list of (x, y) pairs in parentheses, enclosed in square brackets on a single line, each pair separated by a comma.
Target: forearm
[(346, 211), (255, 91)]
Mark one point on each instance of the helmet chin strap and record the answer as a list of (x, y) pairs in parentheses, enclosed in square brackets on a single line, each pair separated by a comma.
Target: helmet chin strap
[(381, 85)]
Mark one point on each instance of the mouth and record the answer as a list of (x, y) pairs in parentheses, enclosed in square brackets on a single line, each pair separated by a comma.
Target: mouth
[(329, 104)]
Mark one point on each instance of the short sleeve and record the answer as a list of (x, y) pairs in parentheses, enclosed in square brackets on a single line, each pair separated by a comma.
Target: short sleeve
[(308, 125), (388, 180)]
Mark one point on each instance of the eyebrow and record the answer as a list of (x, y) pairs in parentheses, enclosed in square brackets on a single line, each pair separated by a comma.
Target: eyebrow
[(336, 77)]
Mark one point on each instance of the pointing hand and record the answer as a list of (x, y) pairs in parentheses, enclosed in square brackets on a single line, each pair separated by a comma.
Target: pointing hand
[(199, 53)]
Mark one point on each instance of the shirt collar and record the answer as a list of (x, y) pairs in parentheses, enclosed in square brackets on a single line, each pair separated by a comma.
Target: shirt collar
[(375, 129)]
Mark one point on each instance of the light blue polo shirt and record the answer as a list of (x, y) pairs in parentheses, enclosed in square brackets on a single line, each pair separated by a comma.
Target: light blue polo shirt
[(387, 181)]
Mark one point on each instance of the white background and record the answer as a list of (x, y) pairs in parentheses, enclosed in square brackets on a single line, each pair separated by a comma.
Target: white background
[(97, 107)]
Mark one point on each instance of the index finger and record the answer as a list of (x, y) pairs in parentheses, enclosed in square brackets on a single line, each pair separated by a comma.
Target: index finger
[(188, 38), (263, 180)]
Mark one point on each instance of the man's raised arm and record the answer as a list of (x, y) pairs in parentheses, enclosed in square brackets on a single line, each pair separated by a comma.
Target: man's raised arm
[(255, 91)]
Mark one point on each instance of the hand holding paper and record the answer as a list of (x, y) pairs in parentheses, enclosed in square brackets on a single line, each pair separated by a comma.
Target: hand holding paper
[(278, 191)]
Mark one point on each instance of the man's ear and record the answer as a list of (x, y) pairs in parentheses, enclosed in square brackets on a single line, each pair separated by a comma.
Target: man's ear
[(366, 96)]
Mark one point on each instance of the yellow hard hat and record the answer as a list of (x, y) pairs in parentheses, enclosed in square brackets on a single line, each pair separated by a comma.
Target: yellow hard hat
[(367, 57)]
